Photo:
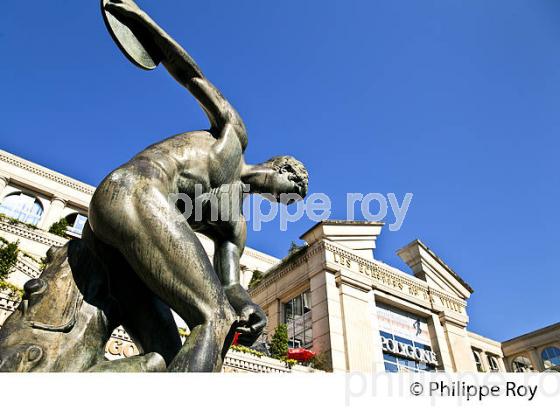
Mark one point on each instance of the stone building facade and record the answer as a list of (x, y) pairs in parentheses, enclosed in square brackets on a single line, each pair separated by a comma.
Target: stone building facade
[(361, 314), (535, 351)]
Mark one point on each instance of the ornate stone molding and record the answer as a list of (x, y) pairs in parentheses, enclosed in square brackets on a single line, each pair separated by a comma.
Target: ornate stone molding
[(260, 256), (8, 303), (391, 277), (378, 270), (37, 235), (241, 362), (288, 264), (354, 280), (43, 172), (382, 275), (27, 268), (57, 198), (449, 302), (238, 362)]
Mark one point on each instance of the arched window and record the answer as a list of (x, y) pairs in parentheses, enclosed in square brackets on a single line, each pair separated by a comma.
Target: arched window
[(494, 366), (76, 224), (478, 361), (24, 208), (521, 365), (551, 357)]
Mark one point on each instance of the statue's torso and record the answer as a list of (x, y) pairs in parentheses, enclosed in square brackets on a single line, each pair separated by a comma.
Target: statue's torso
[(188, 164)]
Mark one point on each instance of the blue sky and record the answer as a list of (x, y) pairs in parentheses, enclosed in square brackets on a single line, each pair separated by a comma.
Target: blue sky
[(454, 101)]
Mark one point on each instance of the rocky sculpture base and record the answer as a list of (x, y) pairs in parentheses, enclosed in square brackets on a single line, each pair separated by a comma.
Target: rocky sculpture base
[(65, 319)]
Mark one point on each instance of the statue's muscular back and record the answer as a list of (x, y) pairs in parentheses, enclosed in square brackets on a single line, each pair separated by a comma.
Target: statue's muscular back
[(191, 163), (190, 158)]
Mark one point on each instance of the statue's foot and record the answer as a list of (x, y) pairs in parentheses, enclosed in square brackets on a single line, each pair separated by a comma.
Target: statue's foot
[(149, 362)]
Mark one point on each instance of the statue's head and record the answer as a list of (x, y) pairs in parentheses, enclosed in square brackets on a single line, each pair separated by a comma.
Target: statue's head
[(290, 177)]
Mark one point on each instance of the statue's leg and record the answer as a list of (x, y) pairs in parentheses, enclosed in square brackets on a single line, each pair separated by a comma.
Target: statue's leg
[(167, 256), (147, 320)]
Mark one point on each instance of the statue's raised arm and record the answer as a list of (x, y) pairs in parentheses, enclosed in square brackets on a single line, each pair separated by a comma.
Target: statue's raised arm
[(179, 64)]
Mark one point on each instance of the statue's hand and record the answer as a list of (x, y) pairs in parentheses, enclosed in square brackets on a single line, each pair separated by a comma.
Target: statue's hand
[(252, 321), (124, 8)]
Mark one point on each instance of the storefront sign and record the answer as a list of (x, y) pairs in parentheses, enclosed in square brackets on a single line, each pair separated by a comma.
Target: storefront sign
[(116, 347), (408, 351)]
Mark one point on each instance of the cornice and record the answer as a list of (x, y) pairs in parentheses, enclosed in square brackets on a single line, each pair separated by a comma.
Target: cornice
[(46, 173), (260, 256), (381, 274), (534, 334), (378, 267), (288, 264)]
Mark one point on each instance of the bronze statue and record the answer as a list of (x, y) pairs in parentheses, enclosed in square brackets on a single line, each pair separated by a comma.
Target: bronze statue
[(149, 254)]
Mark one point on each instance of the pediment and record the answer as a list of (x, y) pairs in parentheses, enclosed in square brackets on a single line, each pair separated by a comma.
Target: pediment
[(426, 265)]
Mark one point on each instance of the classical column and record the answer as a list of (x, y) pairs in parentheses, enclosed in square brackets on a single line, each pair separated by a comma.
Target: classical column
[(245, 276), (499, 361), (54, 213), (502, 364), (359, 321), (328, 338), (274, 315), (536, 359), (4, 180), (485, 361), (460, 346), (439, 344)]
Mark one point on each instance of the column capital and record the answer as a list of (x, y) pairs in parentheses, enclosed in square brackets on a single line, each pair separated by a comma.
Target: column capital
[(4, 181), (354, 280), (458, 321), (59, 199), (54, 212)]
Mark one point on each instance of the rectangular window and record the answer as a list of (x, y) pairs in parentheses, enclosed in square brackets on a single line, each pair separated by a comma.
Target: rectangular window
[(390, 367), (297, 316)]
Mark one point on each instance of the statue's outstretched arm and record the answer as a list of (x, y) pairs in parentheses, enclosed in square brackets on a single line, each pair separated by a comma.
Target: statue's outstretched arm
[(183, 68)]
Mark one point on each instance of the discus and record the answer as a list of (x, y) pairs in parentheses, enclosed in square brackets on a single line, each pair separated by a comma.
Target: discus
[(131, 39)]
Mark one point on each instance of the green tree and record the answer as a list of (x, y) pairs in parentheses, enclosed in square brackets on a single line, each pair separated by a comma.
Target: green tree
[(255, 279), (8, 258), (321, 362), (279, 342), (59, 228)]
